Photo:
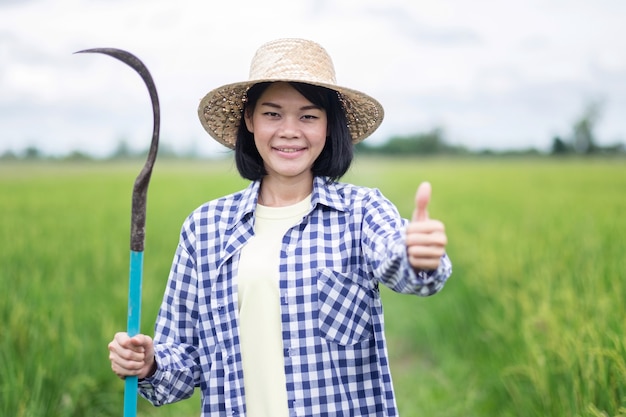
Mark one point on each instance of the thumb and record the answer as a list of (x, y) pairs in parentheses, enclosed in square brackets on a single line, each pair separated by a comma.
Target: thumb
[(140, 342), (422, 198)]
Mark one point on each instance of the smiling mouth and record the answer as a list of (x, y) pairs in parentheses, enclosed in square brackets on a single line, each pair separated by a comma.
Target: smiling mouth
[(289, 150)]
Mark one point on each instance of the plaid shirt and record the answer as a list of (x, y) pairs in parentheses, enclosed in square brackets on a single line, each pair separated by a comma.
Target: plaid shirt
[(331, 263)]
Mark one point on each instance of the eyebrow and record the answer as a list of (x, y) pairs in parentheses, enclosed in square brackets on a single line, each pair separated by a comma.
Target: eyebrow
[(276, 106)]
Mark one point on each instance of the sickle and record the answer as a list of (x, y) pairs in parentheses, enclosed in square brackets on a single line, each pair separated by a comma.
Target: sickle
[(138, 216)]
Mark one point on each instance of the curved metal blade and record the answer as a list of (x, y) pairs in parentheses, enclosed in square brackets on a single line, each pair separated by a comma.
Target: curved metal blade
[(140, 190)]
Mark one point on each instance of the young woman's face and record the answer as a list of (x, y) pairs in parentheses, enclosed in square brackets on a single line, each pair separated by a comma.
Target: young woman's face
[(289, 131)]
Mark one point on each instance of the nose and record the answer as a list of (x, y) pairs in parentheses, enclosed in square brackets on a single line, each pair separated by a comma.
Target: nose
[(289, 128)]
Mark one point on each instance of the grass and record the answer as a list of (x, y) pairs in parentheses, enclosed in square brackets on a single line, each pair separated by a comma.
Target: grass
[(531, 324)]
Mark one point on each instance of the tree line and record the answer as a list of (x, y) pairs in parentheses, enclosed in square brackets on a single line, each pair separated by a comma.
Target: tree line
[(582, 140)]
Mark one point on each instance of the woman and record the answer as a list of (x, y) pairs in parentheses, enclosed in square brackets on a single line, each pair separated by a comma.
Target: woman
[(272, 305)]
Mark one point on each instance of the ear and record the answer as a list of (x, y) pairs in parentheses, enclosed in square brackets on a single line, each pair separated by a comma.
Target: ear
[(248, 119)]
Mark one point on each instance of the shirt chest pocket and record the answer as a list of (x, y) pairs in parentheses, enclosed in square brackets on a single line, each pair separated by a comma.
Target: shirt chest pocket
[(344, 308)]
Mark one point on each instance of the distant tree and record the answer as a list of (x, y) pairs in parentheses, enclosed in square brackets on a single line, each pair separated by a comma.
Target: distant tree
[(122, 151), (8, 156), (584, 139), (422, 143), (560, 147), (32, 152), (77, 156), (166, 151), (428, 143), (615, 148), (364, 148)]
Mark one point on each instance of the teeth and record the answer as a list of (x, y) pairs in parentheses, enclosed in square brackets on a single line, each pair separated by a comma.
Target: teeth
[(288, 150)]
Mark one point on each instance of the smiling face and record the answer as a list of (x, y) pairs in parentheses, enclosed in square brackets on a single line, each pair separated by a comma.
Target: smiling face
[(289, 132)]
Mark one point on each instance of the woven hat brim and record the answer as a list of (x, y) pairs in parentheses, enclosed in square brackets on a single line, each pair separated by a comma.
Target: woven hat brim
[(220, 110)]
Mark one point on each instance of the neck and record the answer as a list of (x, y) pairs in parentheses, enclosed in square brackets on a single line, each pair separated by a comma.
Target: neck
[(278, 194)]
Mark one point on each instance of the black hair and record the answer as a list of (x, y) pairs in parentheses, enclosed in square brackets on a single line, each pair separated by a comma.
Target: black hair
[(336, 157)]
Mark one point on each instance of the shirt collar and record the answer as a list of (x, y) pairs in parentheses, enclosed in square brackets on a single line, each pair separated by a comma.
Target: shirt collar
[(248, 200), (327, 193), (324, 193)]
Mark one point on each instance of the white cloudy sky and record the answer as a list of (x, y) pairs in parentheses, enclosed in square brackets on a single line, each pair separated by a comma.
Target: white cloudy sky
[(491, 73)]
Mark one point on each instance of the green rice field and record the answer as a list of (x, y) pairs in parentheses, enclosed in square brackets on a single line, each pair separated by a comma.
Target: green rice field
[(531, 324)]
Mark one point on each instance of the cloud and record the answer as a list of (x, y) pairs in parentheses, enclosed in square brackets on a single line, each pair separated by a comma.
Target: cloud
[(415, 30)]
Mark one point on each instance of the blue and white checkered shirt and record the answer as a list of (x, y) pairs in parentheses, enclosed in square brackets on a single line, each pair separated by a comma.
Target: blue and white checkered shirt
[(331, 264)]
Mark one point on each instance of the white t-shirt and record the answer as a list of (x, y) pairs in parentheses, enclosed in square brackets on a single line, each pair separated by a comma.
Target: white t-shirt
[(259, 310)]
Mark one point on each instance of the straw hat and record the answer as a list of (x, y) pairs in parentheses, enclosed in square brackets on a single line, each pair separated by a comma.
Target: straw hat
[(296, 60)]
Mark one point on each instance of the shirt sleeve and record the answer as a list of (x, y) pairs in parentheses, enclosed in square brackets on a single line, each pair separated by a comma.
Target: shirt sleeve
[(384, 247), (176, 336)]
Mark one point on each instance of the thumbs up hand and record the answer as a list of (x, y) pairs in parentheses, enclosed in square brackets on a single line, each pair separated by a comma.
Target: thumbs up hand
[(426, 239)]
